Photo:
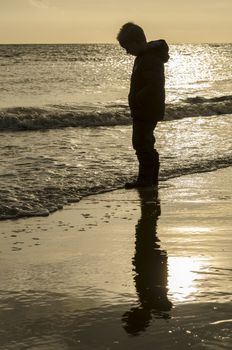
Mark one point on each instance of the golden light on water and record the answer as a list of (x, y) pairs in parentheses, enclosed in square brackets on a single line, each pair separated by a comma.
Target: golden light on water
[(193, 229), (183, 275), (185, 80)]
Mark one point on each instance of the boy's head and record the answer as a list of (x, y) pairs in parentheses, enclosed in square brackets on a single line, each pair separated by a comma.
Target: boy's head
[(132, 38)]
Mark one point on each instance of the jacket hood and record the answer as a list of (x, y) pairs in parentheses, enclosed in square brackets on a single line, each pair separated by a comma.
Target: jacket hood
[(159, 48)]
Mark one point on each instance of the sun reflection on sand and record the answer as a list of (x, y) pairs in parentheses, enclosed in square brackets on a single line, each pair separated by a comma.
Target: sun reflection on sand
[(183, 276)]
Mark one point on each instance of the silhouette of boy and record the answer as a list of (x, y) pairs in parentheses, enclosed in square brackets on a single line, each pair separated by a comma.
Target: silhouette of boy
[(146, 98)]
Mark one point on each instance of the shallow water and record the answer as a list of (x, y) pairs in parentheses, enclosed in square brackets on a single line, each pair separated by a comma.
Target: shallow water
[(41, 171)]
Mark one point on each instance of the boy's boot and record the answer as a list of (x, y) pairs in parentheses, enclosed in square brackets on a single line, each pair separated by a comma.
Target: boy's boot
[(146, 169)]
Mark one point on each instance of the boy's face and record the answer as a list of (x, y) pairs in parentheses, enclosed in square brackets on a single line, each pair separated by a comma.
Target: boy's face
[(132, 47)]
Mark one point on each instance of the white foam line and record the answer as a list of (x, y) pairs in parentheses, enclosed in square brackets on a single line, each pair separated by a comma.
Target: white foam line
[(222, 321)]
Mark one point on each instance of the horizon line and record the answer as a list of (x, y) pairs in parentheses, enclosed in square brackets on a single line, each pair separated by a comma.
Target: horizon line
[(108, 43)]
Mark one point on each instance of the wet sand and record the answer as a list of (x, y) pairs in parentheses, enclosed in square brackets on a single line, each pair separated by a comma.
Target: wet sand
[(123, 270)]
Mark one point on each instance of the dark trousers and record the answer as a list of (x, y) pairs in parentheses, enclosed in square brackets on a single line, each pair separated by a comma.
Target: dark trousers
[(143, 141)]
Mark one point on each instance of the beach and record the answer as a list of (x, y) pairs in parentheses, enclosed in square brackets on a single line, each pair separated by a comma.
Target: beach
[(123, 270), (86, 264)]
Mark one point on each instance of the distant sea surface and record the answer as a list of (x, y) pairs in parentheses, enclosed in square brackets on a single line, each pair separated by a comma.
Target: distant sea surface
[(65, 123)]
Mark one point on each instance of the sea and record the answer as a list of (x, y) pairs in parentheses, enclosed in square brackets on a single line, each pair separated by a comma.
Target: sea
[(65, 126)]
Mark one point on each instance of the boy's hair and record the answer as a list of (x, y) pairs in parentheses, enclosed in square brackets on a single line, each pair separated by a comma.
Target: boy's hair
[(131, 32)]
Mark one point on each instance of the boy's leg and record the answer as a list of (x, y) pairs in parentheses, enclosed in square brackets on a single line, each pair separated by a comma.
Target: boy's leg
[(143, 141), (156, 167)]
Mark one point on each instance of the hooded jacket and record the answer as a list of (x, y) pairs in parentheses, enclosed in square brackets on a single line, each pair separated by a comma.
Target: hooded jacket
[(147, 88)]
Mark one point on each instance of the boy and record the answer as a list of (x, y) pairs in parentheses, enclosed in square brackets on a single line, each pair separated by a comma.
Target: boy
[(146, 98)]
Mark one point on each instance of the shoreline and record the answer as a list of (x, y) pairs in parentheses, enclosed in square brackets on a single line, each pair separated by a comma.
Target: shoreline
[(124, 269), (46, 212)]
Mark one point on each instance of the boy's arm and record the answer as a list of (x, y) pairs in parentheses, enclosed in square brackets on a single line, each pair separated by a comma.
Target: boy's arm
[(153, 78)]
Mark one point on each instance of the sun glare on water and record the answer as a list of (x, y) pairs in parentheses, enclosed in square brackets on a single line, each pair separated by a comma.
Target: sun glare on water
[(183, 276)]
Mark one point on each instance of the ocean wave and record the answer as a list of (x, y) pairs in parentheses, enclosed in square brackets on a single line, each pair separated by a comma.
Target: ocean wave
[(200, 99), (61, 116), (31, 118)]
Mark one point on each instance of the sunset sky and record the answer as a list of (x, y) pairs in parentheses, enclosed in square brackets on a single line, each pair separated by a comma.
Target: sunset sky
[(80, 21)]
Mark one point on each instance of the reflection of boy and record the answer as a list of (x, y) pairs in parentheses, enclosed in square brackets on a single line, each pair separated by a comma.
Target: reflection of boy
[(146, 98), (150, 268)]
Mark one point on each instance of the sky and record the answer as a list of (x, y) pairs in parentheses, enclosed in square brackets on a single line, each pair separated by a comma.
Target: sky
[(98, 21)]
